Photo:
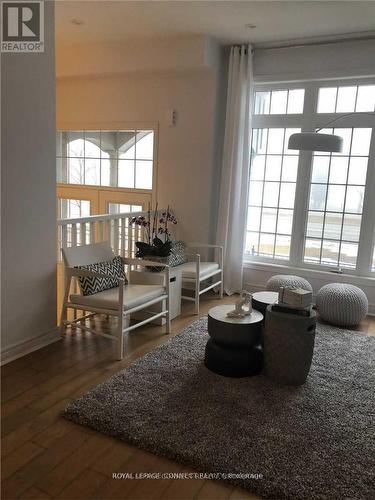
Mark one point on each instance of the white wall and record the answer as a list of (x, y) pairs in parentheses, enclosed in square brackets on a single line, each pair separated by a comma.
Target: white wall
[(188, 160), (28, 200)]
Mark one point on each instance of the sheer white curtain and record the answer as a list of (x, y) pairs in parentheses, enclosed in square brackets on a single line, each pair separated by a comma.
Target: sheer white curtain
[(235, 167)]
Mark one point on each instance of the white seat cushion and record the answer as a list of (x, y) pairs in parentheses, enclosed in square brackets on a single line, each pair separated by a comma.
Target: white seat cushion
[(134, 295), (206, 269)]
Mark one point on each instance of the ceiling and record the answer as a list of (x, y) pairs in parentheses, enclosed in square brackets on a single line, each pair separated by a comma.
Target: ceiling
[(116, 21)]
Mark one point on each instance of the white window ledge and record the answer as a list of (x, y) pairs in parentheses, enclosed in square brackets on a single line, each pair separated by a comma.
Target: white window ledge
[(312, 273)]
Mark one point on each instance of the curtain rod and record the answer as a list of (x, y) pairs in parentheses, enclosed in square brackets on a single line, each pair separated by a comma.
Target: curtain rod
[(312, 42)]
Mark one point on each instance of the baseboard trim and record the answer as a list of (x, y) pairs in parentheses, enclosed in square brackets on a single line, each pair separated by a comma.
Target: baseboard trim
[(251, 287), (20, 349)]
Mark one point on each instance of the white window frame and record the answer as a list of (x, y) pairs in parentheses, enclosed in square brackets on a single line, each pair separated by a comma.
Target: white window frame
[(309, 121)]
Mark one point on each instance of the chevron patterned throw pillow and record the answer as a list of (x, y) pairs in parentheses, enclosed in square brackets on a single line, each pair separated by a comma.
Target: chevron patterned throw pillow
[(114, 270)]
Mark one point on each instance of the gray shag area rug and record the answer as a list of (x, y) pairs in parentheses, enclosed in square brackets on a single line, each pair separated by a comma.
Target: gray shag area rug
[(311, 442)]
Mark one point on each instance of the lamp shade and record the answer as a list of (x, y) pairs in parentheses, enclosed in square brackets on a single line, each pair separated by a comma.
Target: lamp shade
[(312, 141)]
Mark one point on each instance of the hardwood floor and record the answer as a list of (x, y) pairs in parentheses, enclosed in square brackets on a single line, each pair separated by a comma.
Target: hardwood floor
[(45, 456)]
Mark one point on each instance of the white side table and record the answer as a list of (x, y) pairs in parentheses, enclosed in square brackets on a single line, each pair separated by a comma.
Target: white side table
[(145, 277)]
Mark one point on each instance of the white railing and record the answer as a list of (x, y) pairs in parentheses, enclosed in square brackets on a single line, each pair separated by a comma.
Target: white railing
[(117, 228)]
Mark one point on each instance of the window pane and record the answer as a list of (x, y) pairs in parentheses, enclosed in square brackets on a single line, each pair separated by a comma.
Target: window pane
[(271, 194), (71, 209), (282, 246), (273, 168), (315, 224), (361, 141), (259, 141), (357, 170), (354, 199), (266, 244), (339, 170), (126, 173), (327, 100), (351, 227), (318, 194), (273, 222), (295, 101), (278, 102), (332, 226), (275, 140), (75, 170), (290, 168), (75, 144), (312, 251), (330, 252), (348, 255), (346, 134), (92, 157), (126, 144), (144, 148), (269, 216), (252, 243), (287, 192), (262, 103), (285, 221), (320, 169), (366, 98), (335, 198), (255, 193), (253, 218), (288, 133), (257, 168), (105, 172), (92, 171), (346, 99), (92, 144), (143, 174)]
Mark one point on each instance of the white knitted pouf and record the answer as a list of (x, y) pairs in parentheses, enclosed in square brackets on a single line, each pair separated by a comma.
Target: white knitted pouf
[(288, 281), (341, 304)]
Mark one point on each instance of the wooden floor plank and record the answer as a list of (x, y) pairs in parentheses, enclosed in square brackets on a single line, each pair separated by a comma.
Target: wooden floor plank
[(18, 458), (213, 490), (90, 451), (46, 455), (84, 485)]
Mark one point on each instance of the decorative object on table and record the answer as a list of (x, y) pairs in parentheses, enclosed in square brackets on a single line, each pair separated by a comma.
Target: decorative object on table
[(233, 349), (288, 346), (263, 299), (243, 306), (325, 423), (158, 244), (287, 281), (341, 304), (295, 297)]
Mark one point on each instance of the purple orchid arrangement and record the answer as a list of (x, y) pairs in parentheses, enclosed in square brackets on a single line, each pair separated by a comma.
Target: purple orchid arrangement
[(157, 235)]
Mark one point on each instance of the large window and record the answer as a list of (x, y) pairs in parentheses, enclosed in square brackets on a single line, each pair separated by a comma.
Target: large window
[(117, 158), (313, 209)]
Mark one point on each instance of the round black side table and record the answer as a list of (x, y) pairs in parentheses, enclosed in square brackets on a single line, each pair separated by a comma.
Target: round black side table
[(233, 349), (263, 299)]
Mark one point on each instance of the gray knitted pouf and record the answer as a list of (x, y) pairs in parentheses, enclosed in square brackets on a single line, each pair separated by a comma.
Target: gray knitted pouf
[(288, 281), (341, 304)]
